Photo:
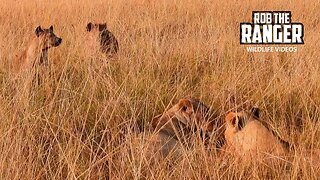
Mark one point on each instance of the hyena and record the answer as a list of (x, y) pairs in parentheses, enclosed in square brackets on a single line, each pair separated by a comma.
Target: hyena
[(37, 51), (100, 38), (28, 68)]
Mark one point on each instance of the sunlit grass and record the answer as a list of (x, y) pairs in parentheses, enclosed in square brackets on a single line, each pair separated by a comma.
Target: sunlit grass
[(85, 119)]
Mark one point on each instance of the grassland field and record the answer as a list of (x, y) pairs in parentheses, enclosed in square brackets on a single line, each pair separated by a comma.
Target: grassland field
[(81, 121)]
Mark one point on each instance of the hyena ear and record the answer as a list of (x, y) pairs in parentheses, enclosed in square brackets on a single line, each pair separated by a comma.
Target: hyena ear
[(38, 31), (185, 105), (89, 26), (51, 28), (102, 26), (255, 111)]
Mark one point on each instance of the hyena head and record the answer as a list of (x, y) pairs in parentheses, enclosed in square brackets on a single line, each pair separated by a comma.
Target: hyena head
[(96, 27), (100, 37), (47, 37)]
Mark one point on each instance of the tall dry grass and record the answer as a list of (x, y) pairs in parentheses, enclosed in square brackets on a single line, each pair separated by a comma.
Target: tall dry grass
[(83, 119)]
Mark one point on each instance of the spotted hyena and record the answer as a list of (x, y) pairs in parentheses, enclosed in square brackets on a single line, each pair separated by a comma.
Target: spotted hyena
[(100, 38), (37, 51)]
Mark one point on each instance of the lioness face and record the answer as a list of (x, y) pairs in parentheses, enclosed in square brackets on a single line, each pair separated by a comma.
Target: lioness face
[(47, 37), (236, 121), (189, 112)]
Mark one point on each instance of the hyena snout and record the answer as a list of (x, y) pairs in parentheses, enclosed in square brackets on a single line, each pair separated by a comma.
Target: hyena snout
[(57, 42), (48, 37)]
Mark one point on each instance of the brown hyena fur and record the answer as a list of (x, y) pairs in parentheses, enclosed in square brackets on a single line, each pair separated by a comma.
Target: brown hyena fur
[(102, 39), (28, 69), (37, 51)]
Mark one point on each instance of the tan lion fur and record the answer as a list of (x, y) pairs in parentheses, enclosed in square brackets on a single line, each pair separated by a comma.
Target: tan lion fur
[(248, 137)]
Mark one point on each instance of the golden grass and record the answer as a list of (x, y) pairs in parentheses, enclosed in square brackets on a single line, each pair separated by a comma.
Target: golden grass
[(85, 126)]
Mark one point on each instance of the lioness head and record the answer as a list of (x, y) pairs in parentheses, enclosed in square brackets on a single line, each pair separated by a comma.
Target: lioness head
[(247, 134), (235, 121), (190, 113), (47, 38)]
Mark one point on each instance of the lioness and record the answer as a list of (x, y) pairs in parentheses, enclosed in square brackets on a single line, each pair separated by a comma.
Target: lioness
[(246, 136), (175, 125), (37, 50), (99, 37)]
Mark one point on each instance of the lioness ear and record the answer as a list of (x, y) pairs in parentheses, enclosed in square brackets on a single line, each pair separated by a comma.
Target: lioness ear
[(38, 31), (185, 105), (231, 118), (89, 26), (102, 26), (236, 121), (255, 111), (51, 28)]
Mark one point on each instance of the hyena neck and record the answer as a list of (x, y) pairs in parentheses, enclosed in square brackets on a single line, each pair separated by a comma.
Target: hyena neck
[(36, 52)]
